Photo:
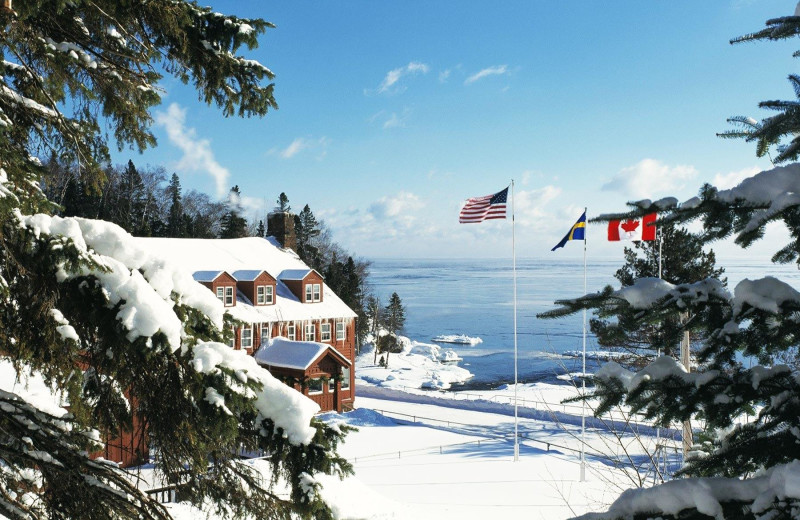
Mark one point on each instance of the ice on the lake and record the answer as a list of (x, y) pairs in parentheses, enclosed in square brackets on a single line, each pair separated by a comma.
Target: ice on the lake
[(600, 355), (459, 339)]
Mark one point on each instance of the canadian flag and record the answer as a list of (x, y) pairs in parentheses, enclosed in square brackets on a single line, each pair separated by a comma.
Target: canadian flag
[(643, 228)]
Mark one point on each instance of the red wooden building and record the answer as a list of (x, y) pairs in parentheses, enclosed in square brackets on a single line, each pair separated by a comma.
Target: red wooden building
[(317, 370), (275, 295)]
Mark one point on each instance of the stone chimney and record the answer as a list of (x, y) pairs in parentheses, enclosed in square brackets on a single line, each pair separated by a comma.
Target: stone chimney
[(280, 224)]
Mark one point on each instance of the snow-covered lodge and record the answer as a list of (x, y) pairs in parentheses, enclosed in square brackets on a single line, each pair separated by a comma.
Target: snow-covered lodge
[(292, 322)]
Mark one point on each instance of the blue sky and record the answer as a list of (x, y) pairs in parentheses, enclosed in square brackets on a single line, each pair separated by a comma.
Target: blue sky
[(392, 113)]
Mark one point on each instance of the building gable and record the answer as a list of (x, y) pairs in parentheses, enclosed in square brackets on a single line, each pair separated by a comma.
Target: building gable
[(306, 284), (221, 284), (258, 286)]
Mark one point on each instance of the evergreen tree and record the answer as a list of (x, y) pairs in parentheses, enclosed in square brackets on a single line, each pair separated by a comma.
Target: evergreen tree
[(283, 203), (128, 205), (770, 132), (752, 457), (307, 229), (261, 231), (683, 260), (176, 223), (69, 288), (394, 319), (233, 224)]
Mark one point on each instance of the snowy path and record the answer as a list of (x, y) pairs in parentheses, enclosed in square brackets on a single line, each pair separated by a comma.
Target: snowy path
[(554, 411)]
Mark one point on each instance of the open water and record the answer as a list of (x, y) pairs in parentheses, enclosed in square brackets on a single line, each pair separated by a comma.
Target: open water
[(476, 298)]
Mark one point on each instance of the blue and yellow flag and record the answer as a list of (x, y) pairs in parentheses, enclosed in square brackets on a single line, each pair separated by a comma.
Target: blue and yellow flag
[(578, 232)]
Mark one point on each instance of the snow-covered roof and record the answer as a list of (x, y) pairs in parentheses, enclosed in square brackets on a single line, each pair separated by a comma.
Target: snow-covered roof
[(249, 254), (294, 274), (247, 275), (282, 352), (206, 276)]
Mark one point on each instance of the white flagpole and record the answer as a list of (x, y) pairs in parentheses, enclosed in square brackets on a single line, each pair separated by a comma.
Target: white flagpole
[(583, 374), (514, 269)]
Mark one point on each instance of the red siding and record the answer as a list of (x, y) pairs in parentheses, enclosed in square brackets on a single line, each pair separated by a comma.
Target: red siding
[(129, 449)]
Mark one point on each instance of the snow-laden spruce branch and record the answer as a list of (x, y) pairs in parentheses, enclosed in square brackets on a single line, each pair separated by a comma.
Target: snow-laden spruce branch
[(742, 211), (144, 292), (151, 310), (122, 335), (750, 441)]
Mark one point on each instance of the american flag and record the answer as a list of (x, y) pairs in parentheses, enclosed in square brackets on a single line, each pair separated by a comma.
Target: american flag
[(488, 207)]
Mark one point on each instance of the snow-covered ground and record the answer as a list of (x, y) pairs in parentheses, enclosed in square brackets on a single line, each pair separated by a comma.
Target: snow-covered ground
[(419, 365), (421, 461), (431, 453), (421, 453)]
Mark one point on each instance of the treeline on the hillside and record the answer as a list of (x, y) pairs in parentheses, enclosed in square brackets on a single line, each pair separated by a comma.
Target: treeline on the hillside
[(147, 202)]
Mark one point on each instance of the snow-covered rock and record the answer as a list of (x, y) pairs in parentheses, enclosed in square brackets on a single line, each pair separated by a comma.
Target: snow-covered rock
[(419, 365)]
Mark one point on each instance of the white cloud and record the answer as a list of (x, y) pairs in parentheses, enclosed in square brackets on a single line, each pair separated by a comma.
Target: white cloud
[(390, 120), (300, 144), (444, 75), (387, 227), (393, 121), (197, 153), (497, 70), (293, 149), (724, 181), (394, 76), (402, 205), (648, 178), (529, 205)]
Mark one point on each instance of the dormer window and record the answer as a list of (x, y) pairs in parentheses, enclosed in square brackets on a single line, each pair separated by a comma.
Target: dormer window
[(225, 295), (313, 291), (221, 283), (264, 295)]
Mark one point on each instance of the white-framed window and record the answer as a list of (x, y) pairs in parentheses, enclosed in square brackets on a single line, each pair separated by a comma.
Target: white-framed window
[(221, 294), (266, 331), (232, 341), (228, 301), (345, 378), (313, 292), (309, 332), (314, 386), (325, 332), (340, 331), (290, 332), (247, 337), (264, 295)]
